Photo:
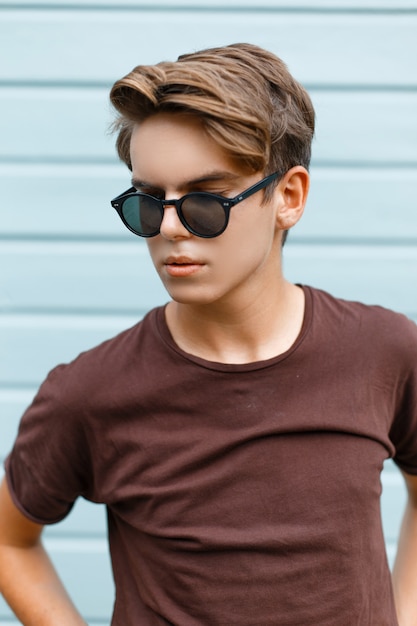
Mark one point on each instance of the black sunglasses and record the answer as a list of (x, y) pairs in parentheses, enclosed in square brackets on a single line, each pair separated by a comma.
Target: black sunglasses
[(203, 214)]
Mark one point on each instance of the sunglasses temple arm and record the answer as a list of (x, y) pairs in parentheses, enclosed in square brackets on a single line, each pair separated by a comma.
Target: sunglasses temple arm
[(257, 187)]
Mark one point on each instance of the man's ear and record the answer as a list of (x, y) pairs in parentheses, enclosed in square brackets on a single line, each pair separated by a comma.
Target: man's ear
[(292, 191)]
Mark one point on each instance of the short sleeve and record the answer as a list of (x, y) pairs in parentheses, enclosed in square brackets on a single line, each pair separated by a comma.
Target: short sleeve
[(48, 467), (403, 432)]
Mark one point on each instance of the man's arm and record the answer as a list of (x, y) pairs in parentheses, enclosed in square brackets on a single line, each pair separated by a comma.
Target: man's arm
[(28, 580), (405, 567)]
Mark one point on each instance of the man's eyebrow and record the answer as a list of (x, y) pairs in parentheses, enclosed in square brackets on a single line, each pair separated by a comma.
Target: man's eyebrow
[(205, 178)]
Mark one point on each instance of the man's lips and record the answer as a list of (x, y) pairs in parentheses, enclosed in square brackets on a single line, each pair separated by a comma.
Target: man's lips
[(180, 266)]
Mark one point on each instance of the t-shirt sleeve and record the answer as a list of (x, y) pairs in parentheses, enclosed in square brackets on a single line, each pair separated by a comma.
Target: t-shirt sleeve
[(48, 467), (403, 432)]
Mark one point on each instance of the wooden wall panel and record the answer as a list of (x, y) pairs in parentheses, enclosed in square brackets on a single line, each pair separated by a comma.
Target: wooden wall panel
[(374, 6), (79, 276), (325, 47), (71, 276), (362, 204)]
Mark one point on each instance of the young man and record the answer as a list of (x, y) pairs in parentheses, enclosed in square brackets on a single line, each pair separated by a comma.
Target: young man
[(236, 435)]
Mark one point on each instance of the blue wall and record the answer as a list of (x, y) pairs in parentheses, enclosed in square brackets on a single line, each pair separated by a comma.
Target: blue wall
[(71, 276)]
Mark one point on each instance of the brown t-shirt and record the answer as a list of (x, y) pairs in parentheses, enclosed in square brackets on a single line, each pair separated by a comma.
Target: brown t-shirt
[(242, 495)]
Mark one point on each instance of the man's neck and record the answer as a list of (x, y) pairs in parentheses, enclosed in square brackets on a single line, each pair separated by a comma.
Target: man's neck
[(258, 331)]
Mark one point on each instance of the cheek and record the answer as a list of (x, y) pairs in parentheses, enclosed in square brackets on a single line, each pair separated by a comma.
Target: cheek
[(253, 230), (151, 248), (255, 218), (241, 254)]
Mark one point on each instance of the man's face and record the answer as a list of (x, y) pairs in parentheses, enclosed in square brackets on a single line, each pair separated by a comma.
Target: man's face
[(171, 156)]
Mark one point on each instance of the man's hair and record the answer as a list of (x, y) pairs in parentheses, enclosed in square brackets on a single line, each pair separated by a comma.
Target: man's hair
[(245, 97)]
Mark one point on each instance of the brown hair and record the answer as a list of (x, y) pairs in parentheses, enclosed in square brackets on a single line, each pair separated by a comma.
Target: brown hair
[(245, 97)]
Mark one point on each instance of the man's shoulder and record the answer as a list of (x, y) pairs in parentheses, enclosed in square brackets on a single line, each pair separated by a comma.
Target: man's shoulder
[(368, 323), (109, 359), (355, 308)]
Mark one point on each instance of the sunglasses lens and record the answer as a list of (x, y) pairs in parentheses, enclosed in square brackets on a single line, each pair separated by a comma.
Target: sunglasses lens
[(143, 214), (204, 216)]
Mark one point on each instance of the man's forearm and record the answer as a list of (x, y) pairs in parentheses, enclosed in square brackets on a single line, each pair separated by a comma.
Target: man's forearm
[(32, 588), (405, 569)]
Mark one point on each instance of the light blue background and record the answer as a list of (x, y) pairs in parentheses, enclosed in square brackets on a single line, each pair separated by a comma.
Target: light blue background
[(70, 275)]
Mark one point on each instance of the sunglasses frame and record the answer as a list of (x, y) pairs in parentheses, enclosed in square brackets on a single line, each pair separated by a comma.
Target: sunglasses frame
[(226, 204)]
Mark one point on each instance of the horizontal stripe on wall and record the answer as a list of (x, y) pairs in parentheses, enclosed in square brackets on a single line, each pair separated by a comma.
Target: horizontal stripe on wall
[(73, 201), (72, 124), (107, 278), (78, 276), (375, 6), (371, 274), (366, 49)]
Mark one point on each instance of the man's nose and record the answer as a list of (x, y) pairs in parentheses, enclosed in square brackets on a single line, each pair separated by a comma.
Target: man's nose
[(171, 225)]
